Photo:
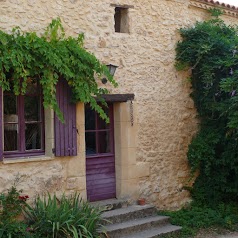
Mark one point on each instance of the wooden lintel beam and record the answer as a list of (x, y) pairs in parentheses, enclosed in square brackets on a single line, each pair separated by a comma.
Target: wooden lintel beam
[(122, 6), (118, 97)]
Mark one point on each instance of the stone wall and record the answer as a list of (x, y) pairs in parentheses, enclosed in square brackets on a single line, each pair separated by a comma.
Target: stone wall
[(166, 118)]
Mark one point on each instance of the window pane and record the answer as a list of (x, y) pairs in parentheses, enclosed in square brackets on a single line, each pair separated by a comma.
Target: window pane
[(33, 136), (32, 87), (90, 138), (89, 119), (10, 104), (10, 122), (104, 142), (32, 108), (10, 137)]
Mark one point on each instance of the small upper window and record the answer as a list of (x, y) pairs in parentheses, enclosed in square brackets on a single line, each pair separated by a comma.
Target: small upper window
[(121, 20)]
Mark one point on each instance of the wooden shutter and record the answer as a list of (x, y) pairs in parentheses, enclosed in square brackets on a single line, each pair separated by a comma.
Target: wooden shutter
[(65, 133), (1, 124)]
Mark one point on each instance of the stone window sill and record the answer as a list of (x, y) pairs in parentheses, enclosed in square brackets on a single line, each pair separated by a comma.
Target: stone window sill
[(27, 159)]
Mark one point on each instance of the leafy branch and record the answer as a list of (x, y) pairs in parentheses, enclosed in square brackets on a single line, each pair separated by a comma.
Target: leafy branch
[(26, 57)]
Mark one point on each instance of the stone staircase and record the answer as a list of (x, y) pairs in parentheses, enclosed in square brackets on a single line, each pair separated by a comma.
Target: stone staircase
[(134, 221)]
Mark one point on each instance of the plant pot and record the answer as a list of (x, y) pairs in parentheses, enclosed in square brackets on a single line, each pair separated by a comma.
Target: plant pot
[(141, 201)]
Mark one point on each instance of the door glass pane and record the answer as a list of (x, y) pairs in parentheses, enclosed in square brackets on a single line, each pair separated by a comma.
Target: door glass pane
[(104, 142), (101, 123), (90, 139), (33, 136), (10, 137), (89, 119), (32, 108)]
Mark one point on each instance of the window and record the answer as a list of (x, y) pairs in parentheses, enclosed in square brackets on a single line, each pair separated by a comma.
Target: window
[(28, 130), (23, 122), (121, 20)]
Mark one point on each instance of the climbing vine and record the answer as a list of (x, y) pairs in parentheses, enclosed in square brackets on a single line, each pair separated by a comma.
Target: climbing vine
[(26, 57), (209, 50)]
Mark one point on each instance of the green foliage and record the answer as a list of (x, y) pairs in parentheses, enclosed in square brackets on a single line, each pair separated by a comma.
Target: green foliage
[(197, 216), (215, 12), (11, 206), (210, 51), (64, 217), (25, 56)]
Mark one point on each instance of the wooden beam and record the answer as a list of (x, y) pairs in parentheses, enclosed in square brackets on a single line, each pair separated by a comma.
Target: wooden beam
[(121, 6), (118, 97)]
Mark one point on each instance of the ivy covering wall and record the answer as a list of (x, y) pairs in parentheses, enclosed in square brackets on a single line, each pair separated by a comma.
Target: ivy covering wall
[(26, 57), (209, 50)]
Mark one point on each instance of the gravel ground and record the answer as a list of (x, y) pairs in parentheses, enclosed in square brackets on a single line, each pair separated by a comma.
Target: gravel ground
[(216, 234), (212, 233), (231, 235)]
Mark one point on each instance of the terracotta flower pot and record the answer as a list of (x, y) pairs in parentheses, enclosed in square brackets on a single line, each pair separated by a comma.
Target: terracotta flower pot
[(141, 201)]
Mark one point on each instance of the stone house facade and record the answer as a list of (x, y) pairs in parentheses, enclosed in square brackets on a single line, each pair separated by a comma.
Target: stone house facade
[(142, 153)]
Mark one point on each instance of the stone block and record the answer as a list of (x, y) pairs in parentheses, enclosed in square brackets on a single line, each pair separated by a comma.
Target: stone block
[(126, 172), (126, 134), (127, 177), (76, 183), (80, 112), (127, 188), (143, 169), (76, 166), (125, 156), (116, 112), (81, 143)]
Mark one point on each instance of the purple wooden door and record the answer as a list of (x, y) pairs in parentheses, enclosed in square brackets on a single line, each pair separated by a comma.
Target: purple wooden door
[(100, 157)]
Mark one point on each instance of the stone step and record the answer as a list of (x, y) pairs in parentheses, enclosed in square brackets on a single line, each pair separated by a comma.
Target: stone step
[(110, 204), (155, 232), (119, 230), (128, 213)]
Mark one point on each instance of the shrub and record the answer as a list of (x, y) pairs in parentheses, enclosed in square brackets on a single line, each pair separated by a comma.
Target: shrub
[(209, 51), (11, 205), (64, 217)]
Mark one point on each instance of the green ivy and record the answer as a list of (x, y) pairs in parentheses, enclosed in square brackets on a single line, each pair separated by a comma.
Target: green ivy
[(210, 51), (26, 56)]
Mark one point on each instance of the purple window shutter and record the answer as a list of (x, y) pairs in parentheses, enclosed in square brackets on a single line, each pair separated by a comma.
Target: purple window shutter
[(65, 133), (1, 124)]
